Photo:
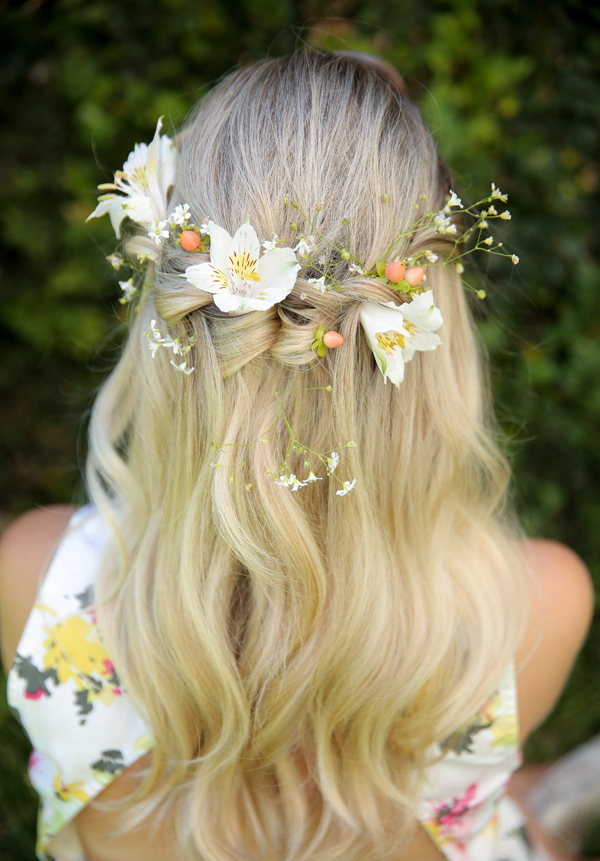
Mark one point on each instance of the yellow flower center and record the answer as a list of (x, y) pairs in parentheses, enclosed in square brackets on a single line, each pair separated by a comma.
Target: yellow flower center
[(387, 341)]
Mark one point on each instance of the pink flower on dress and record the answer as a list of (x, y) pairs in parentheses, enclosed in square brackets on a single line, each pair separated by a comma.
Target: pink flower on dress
[(447, 814), (35, 695), (109, 668)]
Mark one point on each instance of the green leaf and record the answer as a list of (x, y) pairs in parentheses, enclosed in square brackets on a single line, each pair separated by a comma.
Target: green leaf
[(321, 350), (380, 269)]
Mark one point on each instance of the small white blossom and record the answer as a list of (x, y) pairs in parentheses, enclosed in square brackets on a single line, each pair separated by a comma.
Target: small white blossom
[(431, 256), (355, 269), (506, 216), (497, 194), (319, 283), (183, 368), (348, 486), (158, 232), (443, 223), (115, 260), (351, 444), (269, 244), (312, 477), (491, 211), (483, 225), (290, 481), (305, 246), (180, 215), (333, 461), (128, 289), (460, 268), (204, 227), (514, 259), (454, 201), (488, 241), (154, 346)]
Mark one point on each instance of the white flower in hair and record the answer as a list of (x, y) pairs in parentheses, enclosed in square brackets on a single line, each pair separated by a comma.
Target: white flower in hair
[(145, 180), (395, 332), (238, 279), (347, 487)]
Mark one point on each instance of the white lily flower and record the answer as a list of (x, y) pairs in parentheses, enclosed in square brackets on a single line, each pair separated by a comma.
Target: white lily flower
[(333, 461), (395, 332), (318, 283), (270, 244), (145, 180), (238, 279), (347, 488), (183, 368)]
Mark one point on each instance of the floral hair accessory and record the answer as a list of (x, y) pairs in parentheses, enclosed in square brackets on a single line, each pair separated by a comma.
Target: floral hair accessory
[(238, 277), (144, 184), (396, 332)]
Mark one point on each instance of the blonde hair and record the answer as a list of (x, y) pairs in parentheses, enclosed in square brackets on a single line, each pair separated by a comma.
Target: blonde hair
[(259, 629)]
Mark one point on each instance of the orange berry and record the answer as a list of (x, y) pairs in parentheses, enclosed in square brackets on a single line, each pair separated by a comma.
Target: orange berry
[(189, 240), (414, 276), (332, 339), (394, 272)]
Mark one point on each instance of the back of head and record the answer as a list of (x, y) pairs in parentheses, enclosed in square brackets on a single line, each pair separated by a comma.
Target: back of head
[(260, 628)]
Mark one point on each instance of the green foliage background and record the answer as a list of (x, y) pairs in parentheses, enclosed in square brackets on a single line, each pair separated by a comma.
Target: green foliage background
[(511, 91)]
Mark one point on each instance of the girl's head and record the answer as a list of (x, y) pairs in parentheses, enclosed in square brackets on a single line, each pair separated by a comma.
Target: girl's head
[(254, 625)]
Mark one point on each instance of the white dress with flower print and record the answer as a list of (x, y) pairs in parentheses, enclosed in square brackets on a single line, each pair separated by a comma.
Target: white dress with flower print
[(64, 690)]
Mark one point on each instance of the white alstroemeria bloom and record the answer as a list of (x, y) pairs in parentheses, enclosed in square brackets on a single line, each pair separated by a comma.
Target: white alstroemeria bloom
[(347, 488), (145, 180), (270, 244), (318, 283), (333, 461), (158, 231), (395, 332), (183, 368), (238, 279)]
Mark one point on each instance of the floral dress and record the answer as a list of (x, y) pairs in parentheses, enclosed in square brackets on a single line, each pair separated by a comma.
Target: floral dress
[(64, 690)]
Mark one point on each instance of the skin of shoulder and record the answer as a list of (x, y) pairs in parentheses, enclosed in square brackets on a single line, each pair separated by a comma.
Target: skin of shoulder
[(562, 606), (26, 546)]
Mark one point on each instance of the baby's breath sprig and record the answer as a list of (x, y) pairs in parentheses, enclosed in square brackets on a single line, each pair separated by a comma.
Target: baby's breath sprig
[(157, 340), (312, 460)]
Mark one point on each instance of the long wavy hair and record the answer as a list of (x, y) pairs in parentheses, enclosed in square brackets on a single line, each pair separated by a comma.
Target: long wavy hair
[(295, 654)]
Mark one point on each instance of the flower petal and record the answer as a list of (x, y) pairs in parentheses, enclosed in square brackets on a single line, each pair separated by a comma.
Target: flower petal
[(242, 259), (378, 319), (220, 243), (207, 277), (278, 271), (160, 170)]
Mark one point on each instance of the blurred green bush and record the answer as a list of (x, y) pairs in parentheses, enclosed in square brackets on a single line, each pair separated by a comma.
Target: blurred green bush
[(511, 92)]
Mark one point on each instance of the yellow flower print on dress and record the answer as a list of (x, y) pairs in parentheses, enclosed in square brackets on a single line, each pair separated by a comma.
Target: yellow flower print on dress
[(67, 791)]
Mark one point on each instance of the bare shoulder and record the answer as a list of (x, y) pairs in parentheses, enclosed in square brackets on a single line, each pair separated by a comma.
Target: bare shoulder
[(25, 547), (562, 605)]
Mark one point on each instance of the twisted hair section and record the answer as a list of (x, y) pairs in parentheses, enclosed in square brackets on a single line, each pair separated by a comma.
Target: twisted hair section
[(296, 653)]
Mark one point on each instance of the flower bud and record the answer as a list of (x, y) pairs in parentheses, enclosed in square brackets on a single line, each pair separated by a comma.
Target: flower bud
[(394, 272), (414, 276), (189, 240), (332, 339)]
